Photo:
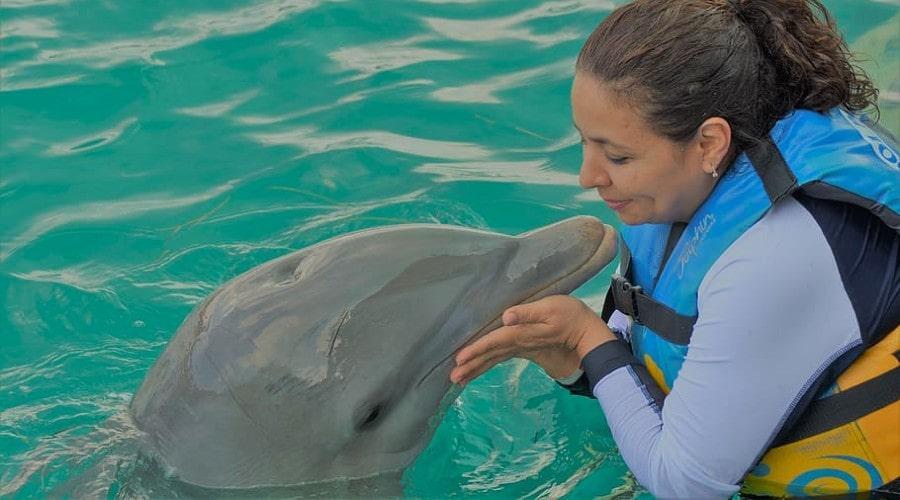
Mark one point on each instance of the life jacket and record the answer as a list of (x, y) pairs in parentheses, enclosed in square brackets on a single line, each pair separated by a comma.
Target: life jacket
[(848, 437)]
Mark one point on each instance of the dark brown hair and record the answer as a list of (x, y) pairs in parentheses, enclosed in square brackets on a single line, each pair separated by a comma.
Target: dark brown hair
[(750, 62)]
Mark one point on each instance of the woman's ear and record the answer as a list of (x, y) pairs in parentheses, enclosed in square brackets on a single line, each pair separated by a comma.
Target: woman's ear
[(714, 139)]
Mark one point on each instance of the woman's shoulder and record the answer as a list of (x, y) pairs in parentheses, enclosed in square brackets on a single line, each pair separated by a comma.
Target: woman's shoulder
[(787, 232), (803, 224), (810, 245)]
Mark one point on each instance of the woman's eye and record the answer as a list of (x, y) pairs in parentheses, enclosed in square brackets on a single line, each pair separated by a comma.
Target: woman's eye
[(618, 160)]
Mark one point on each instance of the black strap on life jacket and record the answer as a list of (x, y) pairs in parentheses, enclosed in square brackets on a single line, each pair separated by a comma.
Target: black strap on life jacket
[(773, 171), (630, 299), (844, 407)]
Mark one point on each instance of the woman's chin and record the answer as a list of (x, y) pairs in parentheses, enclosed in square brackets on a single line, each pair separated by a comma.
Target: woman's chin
[(632, 219)]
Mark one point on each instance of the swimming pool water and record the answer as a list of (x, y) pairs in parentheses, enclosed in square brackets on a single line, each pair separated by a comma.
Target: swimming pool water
[(150, 151)]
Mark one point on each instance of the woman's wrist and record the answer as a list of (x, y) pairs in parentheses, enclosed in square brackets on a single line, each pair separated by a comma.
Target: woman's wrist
[(594, 336), (557, 363), (571, 378)]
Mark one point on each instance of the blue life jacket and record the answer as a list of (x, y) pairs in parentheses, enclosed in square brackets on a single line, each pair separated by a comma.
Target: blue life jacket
[(837, 156)]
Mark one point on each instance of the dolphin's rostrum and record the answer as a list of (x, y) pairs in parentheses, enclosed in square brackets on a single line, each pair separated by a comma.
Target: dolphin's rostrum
[(332, 362)]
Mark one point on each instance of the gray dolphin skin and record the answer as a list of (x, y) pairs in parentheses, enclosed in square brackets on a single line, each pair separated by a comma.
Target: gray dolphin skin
[(333, 362)]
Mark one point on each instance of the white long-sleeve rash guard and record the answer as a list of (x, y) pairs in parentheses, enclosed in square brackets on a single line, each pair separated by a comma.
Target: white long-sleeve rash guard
[(773, 313)]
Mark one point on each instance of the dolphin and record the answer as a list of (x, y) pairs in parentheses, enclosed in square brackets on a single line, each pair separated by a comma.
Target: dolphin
[(332, 362)]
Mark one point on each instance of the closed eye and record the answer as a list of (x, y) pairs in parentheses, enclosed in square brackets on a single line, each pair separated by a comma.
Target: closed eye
[(617, 160)]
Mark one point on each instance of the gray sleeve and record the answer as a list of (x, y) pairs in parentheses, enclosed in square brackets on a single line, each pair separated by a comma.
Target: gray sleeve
[(772, 315)]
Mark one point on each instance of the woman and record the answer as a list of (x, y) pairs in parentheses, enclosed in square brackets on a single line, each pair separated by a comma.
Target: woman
[(760, 291)]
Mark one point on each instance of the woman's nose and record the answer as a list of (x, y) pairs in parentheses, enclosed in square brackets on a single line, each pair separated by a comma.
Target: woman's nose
[(592, 173)]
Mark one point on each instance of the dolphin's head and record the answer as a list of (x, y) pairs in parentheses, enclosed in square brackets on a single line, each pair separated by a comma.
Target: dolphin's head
[(333, 362)]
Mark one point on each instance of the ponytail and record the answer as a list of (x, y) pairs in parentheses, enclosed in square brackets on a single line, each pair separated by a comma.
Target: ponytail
[(750, 62), (806, 61)]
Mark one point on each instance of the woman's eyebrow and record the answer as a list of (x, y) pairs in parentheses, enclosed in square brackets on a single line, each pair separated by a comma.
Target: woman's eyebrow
[(599, 139)]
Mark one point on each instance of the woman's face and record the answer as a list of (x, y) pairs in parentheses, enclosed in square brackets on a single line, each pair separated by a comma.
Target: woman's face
[(643, 176)]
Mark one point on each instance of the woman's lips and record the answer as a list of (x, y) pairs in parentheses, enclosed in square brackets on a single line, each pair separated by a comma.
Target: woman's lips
[(616, 204)]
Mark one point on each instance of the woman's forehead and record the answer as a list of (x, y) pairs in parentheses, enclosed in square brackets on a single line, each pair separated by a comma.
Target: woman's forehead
[(600, 112)]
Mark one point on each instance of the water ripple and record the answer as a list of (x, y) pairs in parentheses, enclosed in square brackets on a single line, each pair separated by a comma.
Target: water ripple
[(243, 20), (218, 109), (71, 449), (21, 4), (34, 83), (51, 365), (170, 34), (94, 141), (310, 141), (347, 99), (89, 278), (493, 474), (510, 27), (566, 487), (36, 27), (484, 92), (371, 59), (105, 211), (347, 211), (525, 172)]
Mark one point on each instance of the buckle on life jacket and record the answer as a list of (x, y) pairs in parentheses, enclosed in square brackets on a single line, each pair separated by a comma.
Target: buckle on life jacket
[(645, 310), (625, 296)]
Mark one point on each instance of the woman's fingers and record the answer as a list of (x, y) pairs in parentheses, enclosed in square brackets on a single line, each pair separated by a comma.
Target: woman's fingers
[(503, 336), (533, 312), (473, 369), (495, 347), (527, 328), (523, 336), (481, 355)]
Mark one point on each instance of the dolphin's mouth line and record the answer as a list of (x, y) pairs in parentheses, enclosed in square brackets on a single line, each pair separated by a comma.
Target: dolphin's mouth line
[(493, 324)]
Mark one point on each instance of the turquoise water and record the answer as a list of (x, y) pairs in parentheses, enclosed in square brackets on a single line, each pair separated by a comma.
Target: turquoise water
[(150, 151)]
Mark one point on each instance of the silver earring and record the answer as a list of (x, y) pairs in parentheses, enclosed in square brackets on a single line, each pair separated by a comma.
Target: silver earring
[(715, 174)]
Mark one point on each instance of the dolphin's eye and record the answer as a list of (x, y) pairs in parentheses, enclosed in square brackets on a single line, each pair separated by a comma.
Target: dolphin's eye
[(370, 418)]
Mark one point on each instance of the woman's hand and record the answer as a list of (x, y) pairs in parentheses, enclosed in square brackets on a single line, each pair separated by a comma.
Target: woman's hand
[(554, 332)]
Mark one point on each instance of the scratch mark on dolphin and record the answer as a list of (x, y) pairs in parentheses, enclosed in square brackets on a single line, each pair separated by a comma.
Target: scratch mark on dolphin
[(337, 330)]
